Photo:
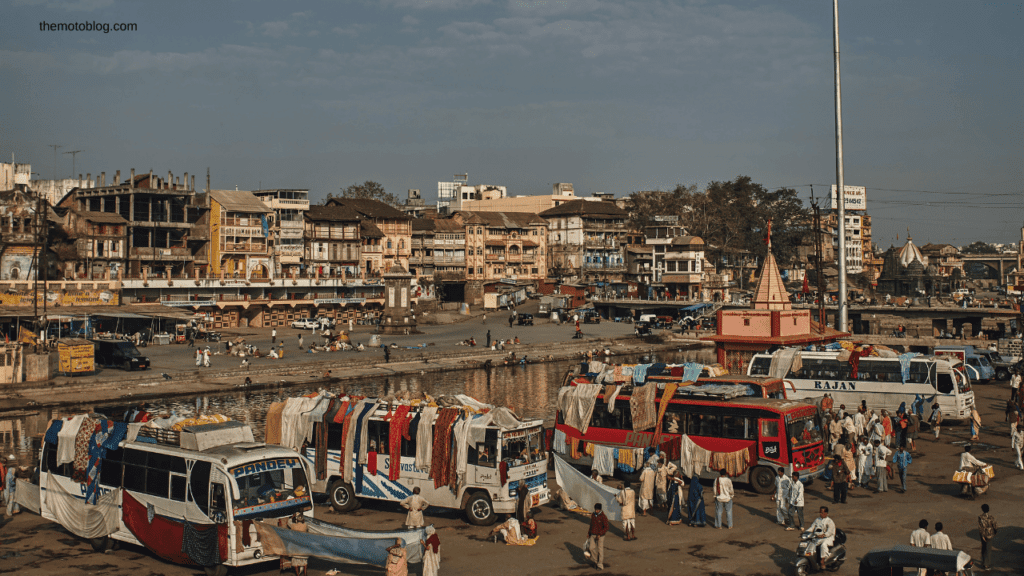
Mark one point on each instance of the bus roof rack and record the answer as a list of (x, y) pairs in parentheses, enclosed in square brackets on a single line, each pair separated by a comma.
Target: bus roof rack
[(199, 437), (717, 391)]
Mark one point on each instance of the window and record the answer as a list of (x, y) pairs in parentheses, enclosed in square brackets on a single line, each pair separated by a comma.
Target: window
[(769, 428), (111, 470), (199, 485), (945, 383), (737, 427), (746, 321), (484, 453)]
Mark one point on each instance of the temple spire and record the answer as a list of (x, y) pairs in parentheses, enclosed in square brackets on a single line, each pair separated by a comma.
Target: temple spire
[(771, 293)]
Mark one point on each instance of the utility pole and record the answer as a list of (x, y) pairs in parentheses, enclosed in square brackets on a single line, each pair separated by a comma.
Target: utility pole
[(841, 317), (74, 154), (55, 146), (822, 287)]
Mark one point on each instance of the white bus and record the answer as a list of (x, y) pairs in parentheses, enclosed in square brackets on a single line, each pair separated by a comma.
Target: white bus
[(182, 495), (879, 382), (500, 453)]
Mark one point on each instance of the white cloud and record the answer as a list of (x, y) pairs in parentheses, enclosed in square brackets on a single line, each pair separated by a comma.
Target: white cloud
[(70, 5), (275, 29), (410, 21), (434, 4)]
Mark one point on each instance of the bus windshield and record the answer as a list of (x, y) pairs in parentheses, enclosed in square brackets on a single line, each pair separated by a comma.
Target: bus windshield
[(269, 481), (522, 446), (963, 383), (804, 430)]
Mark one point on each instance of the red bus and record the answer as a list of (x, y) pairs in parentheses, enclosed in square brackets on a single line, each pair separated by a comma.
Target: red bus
[(719, 415)]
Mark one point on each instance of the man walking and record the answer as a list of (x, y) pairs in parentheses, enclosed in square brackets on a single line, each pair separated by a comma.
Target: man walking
[(902, 460), (919, 539), (935, 420), (796, 502), (665, 471), (864, 454), (1014, 386), (273, 336), (598, 528), (939, 540), (781, 497), (723, 499), (881, 453), (627, 499), (488, 341), (387, 354), (840, 480), (300, 342), (987, 529), (1017, 441), (647, 481)]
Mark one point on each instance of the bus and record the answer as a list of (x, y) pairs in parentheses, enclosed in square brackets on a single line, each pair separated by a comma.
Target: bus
[(723, 419), (169, 488), (879, 382), (501, 454)]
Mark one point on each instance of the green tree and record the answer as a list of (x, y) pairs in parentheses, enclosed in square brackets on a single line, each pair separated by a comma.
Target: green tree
[(369, 190), (980, 247)]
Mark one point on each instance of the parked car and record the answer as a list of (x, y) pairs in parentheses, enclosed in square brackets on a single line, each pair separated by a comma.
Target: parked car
[(524, 319), (591, 317), (120, 354), (305, 324)]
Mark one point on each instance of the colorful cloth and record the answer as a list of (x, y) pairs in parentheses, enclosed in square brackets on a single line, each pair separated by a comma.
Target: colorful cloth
[(692, 458), (201, 545), (642, 407), (273, 425), (320, 455), (640, 373), (576, 404), (905, 364), (51, 436), (734, 463), (398, 429), (424, 436), (695, 503), (81, 460), (604, 459), (358, 437), (691, 371), (584, 491), (441, 451), (666, 398)]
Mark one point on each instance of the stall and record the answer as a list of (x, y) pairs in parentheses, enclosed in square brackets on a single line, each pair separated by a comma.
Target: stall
[(76, 356)]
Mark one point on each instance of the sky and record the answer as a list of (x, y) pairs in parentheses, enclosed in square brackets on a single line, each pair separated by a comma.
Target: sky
[(612, 96)]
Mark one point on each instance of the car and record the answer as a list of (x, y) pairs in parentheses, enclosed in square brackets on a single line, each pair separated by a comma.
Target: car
[(524, 319), (323, 322), (305, 324), (591, 317)]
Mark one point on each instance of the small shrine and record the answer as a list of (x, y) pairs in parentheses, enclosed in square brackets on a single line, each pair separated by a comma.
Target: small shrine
[(771, 321), (398, 317)]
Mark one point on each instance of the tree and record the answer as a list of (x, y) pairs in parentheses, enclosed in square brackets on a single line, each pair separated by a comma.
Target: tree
[(369, 190), (979, 247)]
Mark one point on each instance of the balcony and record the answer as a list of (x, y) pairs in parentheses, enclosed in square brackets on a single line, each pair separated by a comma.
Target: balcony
[(168, 254), (244, 247)]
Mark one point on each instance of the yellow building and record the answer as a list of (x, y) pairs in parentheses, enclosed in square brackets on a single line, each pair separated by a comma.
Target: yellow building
[(504, 245), (239, 230)]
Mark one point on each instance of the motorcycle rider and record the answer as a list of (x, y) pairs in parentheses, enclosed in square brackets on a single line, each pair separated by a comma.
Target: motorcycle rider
[(823, 530)]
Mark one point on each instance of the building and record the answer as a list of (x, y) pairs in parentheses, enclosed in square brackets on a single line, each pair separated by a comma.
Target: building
[(421, 258), (13, 175), (415, 206), (163, 235), (447, 192), (449, 252), (239, 234), (20, 232), (857, 227), (99, 244), (586, 240), (906, 272), (504, 246), (287, 224), (496, 199), (333, 246), (389, 229), (944, 257)]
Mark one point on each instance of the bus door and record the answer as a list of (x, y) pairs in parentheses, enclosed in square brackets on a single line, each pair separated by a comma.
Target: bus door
[(770, 440)]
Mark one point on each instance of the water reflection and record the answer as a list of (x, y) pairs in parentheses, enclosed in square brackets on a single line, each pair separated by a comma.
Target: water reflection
[(530, 390)]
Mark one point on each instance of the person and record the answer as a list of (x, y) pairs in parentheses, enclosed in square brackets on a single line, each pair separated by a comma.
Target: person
[(627, 499), (919, 539), (859, 422), (273, 354), (835, 430), (823, 529), (1017, 442), (415, 504), (206, 357), (11, 484), (511, 319), (199, 358), (723, 499), (881, 468), (695, 509), (523, 502), (516, 340), (840, 480), (939, 540), (1014, 386), (647, 480), (975, 424), (488, 340), (398, 563), (675, 500), (387, 354), (849, 429), (935, 420), (903, 430), (300, 342), (431, 552), (987, 529), (666, 470), (796, 502), (781, 497), (596, 476), (912, 430), (864, 453), (902, 460), (273, 336), (595, 543), (967, 460), (485, 322), (298, 523)]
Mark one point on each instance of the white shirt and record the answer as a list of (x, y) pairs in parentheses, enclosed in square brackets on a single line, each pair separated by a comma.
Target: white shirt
[(940, 541), (858, 422), (919, 538), (723, 489), (796, 494), (864, 451), (824, 529), (849, 426), (1015, 381), (967, 460), (881, 453), (782, 487)]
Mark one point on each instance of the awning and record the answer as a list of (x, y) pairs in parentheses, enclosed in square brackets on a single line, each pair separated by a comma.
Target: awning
[(700, 306), (121, 315)]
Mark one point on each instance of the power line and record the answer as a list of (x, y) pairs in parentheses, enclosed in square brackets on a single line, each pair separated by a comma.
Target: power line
[(74, 155)]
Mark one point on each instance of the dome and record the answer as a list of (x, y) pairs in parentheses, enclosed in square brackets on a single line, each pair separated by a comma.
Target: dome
[(910, 253)]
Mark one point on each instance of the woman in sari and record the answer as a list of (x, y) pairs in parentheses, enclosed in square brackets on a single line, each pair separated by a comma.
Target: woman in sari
[(431, 553), (676, 498), (398, 563), (887, 427), (695, 503)]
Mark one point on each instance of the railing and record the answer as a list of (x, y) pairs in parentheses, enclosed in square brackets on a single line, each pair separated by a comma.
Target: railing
[(244, 247), (161, 253)]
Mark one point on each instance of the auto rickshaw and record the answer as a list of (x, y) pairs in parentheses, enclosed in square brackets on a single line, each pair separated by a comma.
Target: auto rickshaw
[(903, 559)]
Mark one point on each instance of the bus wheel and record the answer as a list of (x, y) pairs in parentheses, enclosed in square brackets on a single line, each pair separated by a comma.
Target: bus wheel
[(479, 510), (1003, 374), (218, 570), (100, 544), (343, 498), (762, 480)]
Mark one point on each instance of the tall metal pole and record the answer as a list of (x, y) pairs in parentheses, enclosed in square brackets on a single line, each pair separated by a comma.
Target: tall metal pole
[(840, 191)]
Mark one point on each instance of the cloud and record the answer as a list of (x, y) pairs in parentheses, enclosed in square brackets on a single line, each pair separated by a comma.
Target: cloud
[(69, 5), (434, 4), (274, 29), (410, 21)]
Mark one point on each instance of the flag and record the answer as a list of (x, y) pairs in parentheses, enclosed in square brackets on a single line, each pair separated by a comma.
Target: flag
[(768, 239), (807, 288), (27, 336)]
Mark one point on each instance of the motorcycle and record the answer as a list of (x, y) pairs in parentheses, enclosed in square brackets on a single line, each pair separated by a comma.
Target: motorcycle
[(807, 554)]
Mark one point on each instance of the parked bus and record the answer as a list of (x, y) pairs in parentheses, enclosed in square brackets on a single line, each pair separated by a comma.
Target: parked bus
[(724, 419), (498, 457), (879, 382), (169, 491)]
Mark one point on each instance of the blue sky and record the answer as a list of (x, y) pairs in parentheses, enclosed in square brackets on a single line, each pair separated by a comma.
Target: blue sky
[(612, 96)]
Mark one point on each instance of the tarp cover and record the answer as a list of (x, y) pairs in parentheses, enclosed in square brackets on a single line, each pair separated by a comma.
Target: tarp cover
[(26, 495), (285, 542), (85, 520), (585, 491), (412, 537)]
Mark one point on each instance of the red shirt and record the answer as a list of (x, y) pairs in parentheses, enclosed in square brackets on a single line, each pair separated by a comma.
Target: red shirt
[(598, 525)]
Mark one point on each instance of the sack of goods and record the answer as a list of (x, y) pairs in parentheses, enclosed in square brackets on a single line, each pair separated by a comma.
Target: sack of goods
[(962, 477)]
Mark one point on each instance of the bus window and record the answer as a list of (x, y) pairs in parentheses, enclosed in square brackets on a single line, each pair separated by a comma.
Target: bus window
[(769, 429), (199, 485), (218, 505), (945, 384), (710, 425), (803, 431), (485, 453), (267, 484), (736, 427), (110, 472), (408, 447), (377, 436), (523, 449), (759, 366), (962, 383), (135, 470), (178, 484), (673, 423)]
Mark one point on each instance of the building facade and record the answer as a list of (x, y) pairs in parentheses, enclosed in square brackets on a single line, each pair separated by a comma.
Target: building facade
[(387, 233), (504, 246), (586, 240), (287, 225), (99, 242), (239, 234), (333, 246)]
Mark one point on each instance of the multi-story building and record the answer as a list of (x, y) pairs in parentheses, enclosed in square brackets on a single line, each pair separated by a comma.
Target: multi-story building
[(504, 246), (393, 226), (485, 198), (286, 227), (857, 228), (449, 251), (99, 241), (13, 174), (20, 236), (239, 234), (421, 259), (162, 214), (586, 240), (677, 259), (333, 243), (416, 207), (944, 257)]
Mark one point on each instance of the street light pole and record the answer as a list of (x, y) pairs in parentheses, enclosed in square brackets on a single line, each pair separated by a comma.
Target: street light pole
[(841, 320)]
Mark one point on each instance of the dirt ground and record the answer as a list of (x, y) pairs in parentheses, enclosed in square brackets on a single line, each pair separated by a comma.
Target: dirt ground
[(756, 545)]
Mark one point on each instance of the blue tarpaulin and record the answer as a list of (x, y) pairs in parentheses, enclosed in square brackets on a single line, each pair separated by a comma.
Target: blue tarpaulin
[(412, 536), (285, 542)]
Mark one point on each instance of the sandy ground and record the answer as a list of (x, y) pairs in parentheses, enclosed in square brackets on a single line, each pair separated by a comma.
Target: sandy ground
[(31, 546)]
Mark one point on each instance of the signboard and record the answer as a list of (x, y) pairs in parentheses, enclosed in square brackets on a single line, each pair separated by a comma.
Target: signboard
[(320, 301), (960, 354), (855, 198), (666, 218), (188, 303), (56, 298), (76, 359)]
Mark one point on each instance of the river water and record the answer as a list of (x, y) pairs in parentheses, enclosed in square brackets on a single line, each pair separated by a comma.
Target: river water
[(530, 390)]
